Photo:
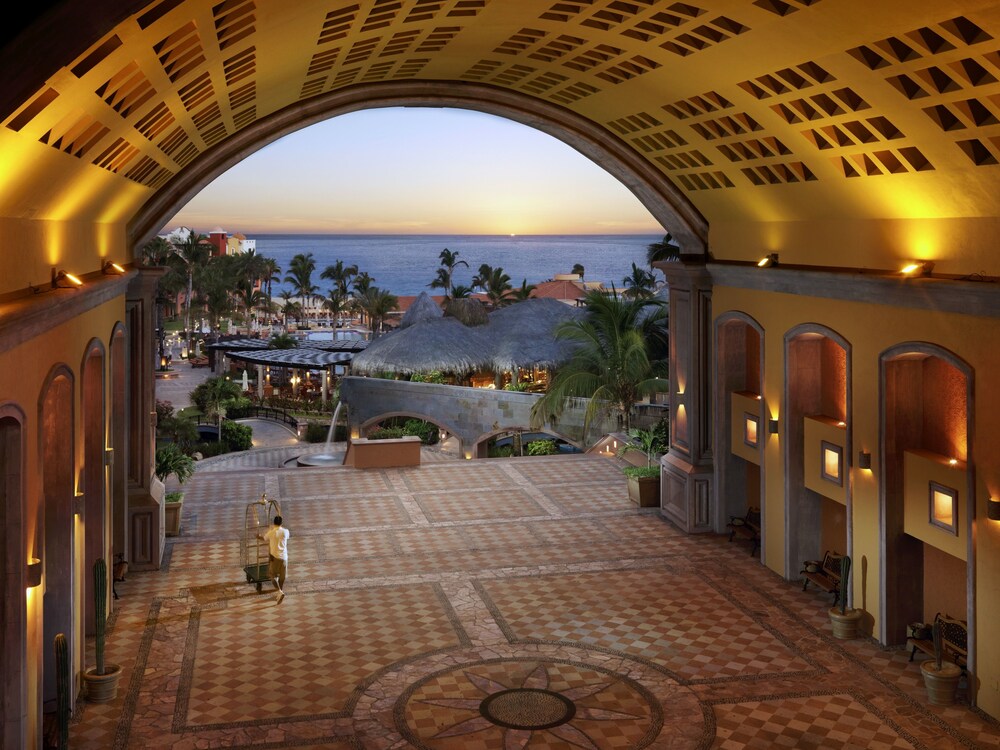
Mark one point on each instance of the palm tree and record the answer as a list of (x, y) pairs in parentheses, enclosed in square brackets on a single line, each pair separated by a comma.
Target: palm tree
[(611, 364), (340, 275), (156, 252), (249, 298), (663, 250), (578, 269), (213, 396), (442, 281), (300, 271), (377, 304), (193, 252), (461, 292), (521, 293), (269, 271), (335, 303), (449, 262), (640, 283), (362, 282), (494, 282)]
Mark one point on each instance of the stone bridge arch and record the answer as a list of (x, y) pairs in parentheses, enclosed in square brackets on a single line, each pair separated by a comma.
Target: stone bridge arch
[(478, 448)]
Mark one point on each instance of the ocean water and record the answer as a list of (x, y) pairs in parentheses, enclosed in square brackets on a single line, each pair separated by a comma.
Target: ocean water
[(406, 264)]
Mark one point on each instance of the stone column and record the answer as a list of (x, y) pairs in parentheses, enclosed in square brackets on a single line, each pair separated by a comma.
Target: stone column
[(686, 494)]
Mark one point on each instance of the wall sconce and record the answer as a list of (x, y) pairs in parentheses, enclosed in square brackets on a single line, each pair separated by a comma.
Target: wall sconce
[(923, 266), (65, 280), (772, 426), (993, 509), (109, 456), (769, 260), (34, 577), (864, 460)]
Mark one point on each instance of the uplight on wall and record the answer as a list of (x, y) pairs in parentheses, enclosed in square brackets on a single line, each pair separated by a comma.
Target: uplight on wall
[(917, 268), (772, 426), (768, 261), (864, 460), (110, 267), (65, 280), (34, 572), (993, 509)]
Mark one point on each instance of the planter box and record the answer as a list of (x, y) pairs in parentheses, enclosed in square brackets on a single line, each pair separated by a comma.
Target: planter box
[(644, 491), (172, 514)]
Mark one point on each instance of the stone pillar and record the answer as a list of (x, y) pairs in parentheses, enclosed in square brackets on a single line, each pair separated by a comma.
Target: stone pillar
[(145, 515), (686, 471), (326, 384)]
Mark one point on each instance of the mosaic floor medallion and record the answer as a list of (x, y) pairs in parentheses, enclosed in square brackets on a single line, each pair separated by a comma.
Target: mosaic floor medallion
[(512, 703)]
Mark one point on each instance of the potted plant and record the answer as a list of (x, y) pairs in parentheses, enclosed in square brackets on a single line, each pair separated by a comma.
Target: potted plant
[(845, 620), (102, 680), (643, 481), (940, 677), (170, 459)]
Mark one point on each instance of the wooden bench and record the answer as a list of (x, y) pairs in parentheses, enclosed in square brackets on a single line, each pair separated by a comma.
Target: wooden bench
[(954, 639), (824, 573), (747, 527), (198, 361)]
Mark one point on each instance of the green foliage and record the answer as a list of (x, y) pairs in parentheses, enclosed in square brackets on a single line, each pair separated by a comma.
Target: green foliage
[(647, 442), (845, 572), (213, 448), (100, 611), (513, 386), (316, 432), (164, 410), (62, 689), (183, 432), (542, 448), (282, 341), (386, 433), (239, 437), (215, 394), (173, 497), (637, 472), (170, 459), (500, 451), (427, 431), (613, 363), (434, 376)]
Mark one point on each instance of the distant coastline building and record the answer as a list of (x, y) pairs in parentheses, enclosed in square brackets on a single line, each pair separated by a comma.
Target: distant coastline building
[(220, 239)]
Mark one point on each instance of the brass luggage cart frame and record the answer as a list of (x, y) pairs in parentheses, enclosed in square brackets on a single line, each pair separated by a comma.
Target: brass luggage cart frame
[(253, 550)]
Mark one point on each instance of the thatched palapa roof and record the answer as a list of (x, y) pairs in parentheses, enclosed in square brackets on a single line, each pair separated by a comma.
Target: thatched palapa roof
[(521, 335), (423, 308)]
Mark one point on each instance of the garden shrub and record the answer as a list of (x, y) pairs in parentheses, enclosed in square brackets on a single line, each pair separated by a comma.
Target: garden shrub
[(316, 432), (239, 437), (426, 431), (542, 448), (386, 433)]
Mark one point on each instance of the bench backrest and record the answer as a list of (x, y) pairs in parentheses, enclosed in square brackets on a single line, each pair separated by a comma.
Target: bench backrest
[(831, 565), (753, 517), (954, 633)]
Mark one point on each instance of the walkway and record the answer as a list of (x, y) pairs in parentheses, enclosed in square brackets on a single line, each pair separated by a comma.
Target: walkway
[(465, 605)]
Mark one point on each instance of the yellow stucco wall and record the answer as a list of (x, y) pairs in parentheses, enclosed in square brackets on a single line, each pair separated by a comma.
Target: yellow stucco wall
[(23, 373), (871, 329)]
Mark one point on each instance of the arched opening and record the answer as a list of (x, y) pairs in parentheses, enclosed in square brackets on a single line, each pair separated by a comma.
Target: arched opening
[(95, 516), (517, 438), (13, 600), (817, 446), (118, 420), (58, 547), (665, 202), (743, 418), (927, 489)]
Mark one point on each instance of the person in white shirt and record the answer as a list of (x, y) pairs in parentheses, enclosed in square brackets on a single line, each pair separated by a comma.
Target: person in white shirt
[(277, 544)]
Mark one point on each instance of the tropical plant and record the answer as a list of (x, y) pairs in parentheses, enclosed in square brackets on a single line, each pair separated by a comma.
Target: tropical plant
[(442, 280), (663, 250), (611, 363), (156, 252), (269, 271), (648, 442), (377, 304), (578, 269), (341, 276), (449, 262), (845, 571), (640, 283), (299, 275), (522, 292), (494, 283), (213, 396), (239, 437), (170, 459), (461, 292), (542, 448)]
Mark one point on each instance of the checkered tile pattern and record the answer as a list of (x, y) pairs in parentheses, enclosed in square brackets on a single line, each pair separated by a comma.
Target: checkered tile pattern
[(831, 721), (403, 580), (330, 642), (673, 620)]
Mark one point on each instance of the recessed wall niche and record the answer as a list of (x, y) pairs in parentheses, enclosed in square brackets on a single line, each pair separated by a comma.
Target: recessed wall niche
[(925, 413), (741, 418), (817, 444)]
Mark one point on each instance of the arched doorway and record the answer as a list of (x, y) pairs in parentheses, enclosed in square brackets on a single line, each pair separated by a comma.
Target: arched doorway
[(95, 515), (58, 547), (742, 416), (927, 490), (817, 445), (13, 599)]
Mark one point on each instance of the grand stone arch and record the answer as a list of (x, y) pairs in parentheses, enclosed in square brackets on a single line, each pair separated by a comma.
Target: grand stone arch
[(665, 202)]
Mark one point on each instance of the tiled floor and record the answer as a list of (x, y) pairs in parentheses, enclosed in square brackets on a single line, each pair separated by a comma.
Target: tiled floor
[(501, 604)]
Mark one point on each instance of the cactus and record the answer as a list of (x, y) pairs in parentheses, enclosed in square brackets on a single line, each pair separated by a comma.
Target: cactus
[(62, 690), (938, 648), (845, 570), (100, 610)]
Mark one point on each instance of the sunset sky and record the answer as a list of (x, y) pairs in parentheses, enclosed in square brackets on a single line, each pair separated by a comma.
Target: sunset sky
[(417, 171)]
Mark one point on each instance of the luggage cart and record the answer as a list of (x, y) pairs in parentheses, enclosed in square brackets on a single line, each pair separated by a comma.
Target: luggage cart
[(254, 551)]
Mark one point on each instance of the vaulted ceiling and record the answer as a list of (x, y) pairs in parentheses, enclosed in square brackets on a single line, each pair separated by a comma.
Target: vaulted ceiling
[(757, 111)]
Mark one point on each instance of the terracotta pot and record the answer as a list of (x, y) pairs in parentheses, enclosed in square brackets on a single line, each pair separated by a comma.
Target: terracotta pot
[(941, 684), (102, 688), (845, 626), (644, 491), (172, 517)]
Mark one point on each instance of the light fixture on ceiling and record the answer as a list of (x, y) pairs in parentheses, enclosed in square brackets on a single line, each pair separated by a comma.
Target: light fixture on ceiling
[(110, 267), (771, 259), (917, 268), (65, 280)]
